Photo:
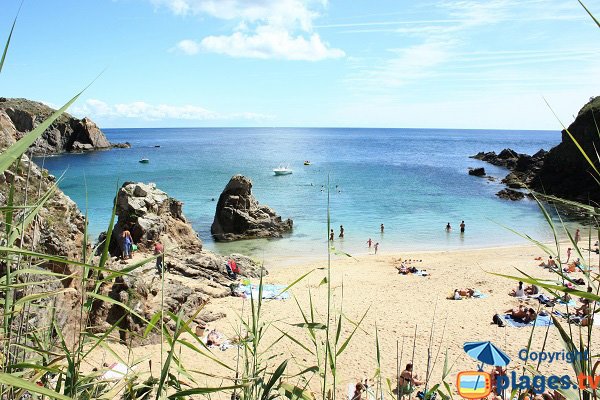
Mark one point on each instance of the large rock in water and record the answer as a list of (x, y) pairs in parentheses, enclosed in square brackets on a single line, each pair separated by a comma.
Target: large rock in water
[(240, 216), (65, 134), (565, 172)]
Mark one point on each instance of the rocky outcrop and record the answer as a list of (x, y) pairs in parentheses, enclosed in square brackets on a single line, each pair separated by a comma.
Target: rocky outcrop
[(565, 172), (66, 134), (151, 215), (240, 216), (510, 194), (477, 171), (523, 169), (193, 274)]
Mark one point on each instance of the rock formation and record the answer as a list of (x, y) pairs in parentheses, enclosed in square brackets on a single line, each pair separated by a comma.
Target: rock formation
[(565, 172), (240, 216), (193, 274), (66, 134), (523, 169), (477, 171)]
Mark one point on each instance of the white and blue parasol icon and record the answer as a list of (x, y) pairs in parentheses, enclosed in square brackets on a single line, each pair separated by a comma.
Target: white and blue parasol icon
[(486, 353)]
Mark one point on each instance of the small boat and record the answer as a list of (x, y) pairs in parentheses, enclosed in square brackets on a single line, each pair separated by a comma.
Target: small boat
[(281, 170), (144, 161), (306, 162), (158, 145)]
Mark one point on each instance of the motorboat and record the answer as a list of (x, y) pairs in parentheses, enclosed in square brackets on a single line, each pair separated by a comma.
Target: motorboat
[(306, 162), (144, 160), (281, 170)]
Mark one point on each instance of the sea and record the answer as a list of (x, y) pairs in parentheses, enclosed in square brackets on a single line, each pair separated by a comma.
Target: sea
[(414, 181)]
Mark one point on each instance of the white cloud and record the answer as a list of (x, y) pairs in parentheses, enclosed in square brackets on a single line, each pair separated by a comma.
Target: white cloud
[(268, 43), (266, 29), (140, 110), (188, 47)]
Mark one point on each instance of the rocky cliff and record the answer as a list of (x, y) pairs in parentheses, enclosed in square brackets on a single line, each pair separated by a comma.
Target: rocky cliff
[(66, 134), (240, 216), (565, 172)]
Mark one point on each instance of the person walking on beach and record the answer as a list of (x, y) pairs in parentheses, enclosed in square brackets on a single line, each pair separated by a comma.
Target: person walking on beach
[(158, 251), (369, 242), (577, 235), (462, 227), (376, 247), (331, 235), (127, 243), (341, 231), (568, 255), (448, 227), (382, 227)]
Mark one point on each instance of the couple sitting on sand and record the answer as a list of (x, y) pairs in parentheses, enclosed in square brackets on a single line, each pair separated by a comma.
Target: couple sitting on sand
[(520, 291)]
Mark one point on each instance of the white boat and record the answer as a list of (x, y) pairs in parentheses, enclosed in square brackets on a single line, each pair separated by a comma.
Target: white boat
[(144, 161), (281, 170)]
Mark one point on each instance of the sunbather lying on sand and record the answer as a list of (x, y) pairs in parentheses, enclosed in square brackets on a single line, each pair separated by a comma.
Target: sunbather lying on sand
[(532, 290), (214, 338), (522, 313)]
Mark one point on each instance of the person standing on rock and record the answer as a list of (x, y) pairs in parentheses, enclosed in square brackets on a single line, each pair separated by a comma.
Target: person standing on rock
[(158, 251), (331, 235), (462, 227), (341, 231), (127, 243)]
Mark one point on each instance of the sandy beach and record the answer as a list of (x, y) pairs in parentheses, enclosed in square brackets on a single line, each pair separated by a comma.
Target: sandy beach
[(396, 304)]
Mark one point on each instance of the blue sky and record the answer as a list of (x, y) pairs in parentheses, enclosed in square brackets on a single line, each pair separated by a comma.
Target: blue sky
[(428, 64)]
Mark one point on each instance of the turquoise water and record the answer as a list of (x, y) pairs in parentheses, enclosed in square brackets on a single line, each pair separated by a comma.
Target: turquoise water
[(412, 180)]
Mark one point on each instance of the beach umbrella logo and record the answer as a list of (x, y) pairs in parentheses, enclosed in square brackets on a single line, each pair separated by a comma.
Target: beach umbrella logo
[(478, 384)]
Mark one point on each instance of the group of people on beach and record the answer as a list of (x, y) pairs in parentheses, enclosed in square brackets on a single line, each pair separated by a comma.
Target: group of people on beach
[(370, 243)]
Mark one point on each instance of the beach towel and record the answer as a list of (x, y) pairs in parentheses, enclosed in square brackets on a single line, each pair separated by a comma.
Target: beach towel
[(116, 371), (270, 292), (421, 272), (571, 303), (541, 320), (479, 295)]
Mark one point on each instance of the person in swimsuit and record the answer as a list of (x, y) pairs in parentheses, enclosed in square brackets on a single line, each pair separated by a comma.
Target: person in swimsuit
[(331, 235), (382, 228), (462, 227), (376, 247), (407, 382), (341, 231), (448, 227), (369, 242)]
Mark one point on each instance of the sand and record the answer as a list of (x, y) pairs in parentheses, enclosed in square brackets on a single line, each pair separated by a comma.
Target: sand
[(395, 304)]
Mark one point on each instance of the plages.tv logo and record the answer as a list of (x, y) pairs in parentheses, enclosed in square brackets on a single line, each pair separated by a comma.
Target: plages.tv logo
[(478, 384)]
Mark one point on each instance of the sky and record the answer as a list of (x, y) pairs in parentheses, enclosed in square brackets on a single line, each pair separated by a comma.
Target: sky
[(462, 64)]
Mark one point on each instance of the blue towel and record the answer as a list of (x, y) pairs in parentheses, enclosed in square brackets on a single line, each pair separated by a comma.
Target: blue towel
[(272, 292), (479, 295), (571, 303), (541, 320)]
